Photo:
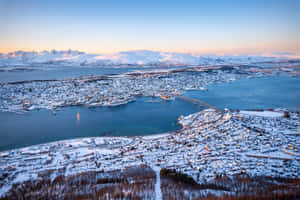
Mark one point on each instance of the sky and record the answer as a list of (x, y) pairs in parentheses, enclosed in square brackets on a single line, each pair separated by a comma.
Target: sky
[(197, 27)]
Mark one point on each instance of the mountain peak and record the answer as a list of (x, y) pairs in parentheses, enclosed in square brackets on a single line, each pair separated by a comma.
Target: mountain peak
[(136, 57)]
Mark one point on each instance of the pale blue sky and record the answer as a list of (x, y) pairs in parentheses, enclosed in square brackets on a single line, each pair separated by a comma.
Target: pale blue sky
[(211, 26)]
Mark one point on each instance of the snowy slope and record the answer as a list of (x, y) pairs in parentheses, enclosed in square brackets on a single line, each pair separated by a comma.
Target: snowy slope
[(140, 57)]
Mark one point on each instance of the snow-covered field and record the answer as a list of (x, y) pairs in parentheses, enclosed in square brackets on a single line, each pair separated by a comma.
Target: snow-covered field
[(236, 143), (262, 113)]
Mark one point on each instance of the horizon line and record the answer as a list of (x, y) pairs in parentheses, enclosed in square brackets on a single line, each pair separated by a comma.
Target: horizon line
[(289, 54)]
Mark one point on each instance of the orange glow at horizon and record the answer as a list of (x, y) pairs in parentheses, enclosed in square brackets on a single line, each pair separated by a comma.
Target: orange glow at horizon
[(239, 48), (103, 27)]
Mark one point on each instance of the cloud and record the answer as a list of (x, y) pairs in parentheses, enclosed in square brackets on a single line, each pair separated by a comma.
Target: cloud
[(285, 53)]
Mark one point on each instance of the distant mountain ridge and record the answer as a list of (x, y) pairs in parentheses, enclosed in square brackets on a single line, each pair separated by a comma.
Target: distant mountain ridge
[(139, 57)]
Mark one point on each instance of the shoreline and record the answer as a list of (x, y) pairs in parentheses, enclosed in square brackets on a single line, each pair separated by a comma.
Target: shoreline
[(152, 135), (114, 90), (195, 150), (209, 145), (187, 99)]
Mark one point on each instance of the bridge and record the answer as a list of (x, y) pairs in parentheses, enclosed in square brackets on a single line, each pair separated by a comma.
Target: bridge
[(207, 104), (189, 125), (202, 102)]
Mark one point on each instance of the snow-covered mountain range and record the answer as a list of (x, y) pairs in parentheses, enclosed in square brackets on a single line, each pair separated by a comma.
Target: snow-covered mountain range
[(140, 57)]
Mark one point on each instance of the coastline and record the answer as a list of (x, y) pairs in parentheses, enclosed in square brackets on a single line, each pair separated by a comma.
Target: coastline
[(114, 90), (210, 144), (196, 151)]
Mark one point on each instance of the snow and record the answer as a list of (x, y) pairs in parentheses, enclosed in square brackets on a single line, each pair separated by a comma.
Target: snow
[(263, 113), (4, 189), (273, 155), (156, 136), (243, 143), (24, 177), (139, 57), (158, 193)]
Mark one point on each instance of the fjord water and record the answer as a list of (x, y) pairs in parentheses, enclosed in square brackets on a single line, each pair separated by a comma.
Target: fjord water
[(256, 93), (136, 118), (50, 73), (61, 72), (142, 117)]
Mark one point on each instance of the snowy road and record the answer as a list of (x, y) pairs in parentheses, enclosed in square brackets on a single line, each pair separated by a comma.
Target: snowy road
[(158, 194)]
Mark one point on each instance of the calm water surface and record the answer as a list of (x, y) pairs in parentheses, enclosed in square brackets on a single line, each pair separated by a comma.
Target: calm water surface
[(136, 118), (140, 117), (61, 72), (260, 93)]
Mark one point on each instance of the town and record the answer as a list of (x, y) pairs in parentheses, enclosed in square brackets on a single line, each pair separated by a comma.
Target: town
[(114, 90), (211, 143)]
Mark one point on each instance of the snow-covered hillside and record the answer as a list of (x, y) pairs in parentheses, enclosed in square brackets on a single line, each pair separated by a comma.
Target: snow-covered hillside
[(140, 57)]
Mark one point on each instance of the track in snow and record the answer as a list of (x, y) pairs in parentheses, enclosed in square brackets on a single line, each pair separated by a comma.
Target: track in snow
[(158, 194)]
